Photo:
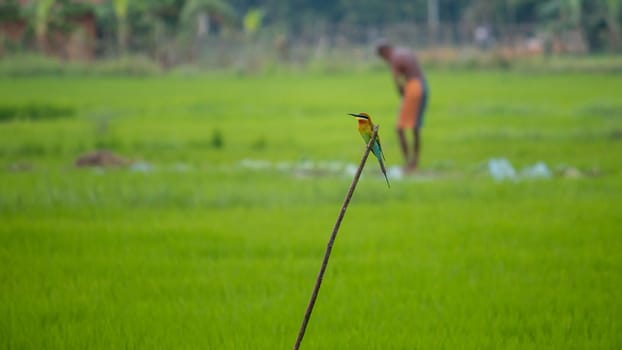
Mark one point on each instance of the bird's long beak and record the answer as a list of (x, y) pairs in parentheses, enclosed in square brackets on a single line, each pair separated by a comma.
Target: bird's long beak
[(359, 115)]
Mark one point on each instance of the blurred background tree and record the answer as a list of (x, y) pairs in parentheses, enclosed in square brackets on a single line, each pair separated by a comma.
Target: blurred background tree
[(177, 31), (120, 12)]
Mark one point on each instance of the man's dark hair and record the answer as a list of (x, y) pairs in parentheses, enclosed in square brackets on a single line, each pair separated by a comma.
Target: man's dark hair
[(381, 45)]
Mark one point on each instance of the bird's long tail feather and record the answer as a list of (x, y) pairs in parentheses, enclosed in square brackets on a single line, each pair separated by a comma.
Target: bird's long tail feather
[(384, 171), (377, 151)]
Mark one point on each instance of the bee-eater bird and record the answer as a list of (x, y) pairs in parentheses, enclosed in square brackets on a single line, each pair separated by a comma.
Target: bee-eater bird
[(366, 129)]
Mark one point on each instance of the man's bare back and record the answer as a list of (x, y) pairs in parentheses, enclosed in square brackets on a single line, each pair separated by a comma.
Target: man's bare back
[(404, 63)]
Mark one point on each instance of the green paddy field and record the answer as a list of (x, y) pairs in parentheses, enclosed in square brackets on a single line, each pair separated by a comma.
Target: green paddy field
[(213, 236)]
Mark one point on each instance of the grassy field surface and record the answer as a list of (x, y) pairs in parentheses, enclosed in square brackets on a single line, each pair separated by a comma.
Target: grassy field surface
[(213, 237)]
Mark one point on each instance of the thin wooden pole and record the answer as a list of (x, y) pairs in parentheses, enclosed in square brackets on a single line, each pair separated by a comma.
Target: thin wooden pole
[(331, 241)]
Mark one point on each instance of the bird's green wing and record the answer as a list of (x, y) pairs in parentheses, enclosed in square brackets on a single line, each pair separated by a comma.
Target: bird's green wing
[(366, 137), (380, 146)]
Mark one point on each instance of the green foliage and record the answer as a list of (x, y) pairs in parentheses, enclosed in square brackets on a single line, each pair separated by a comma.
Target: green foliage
[(34, 112), (260, 144), (122, 27), (41, 17), (30, 65), (217, 140), (10, 11), (561, 14), (46, 16), (120, 8), (71, 8), (216, 8), (37, 65), (252, 21), (126, 66), (162, 27)]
